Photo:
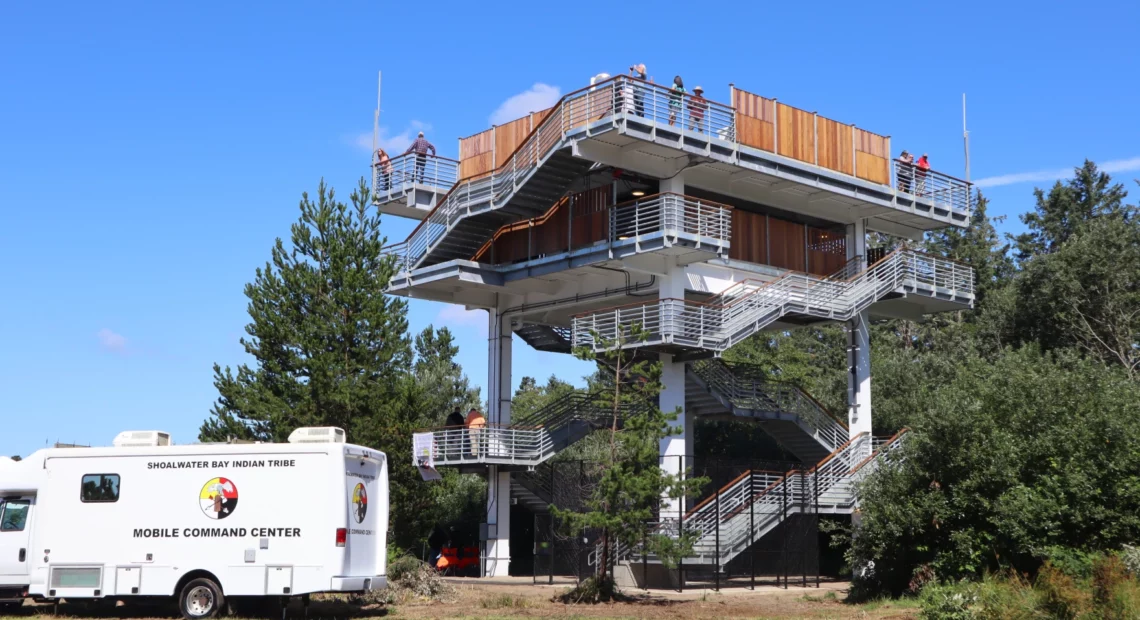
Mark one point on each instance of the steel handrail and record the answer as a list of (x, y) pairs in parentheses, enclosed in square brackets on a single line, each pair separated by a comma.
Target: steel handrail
[(749, 392), (936, 187), (402, 173), (717, 327)]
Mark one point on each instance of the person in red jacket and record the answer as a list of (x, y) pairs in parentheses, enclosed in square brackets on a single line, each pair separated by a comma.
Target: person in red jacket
[(922, 167)]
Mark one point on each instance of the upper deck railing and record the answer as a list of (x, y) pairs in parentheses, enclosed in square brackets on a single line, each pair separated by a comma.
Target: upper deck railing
[(400, 174), (628, 100), (942, 190)]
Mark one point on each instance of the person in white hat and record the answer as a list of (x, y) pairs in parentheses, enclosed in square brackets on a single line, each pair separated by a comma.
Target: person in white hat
[(698, 105)]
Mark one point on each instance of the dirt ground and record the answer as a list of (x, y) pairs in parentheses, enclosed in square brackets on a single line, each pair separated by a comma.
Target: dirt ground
[(518, 598)]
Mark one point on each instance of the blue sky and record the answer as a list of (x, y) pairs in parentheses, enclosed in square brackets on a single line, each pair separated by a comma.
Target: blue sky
[(151, 153)]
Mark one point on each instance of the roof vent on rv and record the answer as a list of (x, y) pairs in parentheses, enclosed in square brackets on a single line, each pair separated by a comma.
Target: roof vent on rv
[(317, 434), (141, 439)]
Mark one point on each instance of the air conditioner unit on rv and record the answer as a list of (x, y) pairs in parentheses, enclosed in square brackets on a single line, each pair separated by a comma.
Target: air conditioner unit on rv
[(317, 434), (141, 439)]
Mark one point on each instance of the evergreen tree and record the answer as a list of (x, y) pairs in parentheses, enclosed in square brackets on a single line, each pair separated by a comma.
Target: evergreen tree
[(530, 397), (1067, 207), (329, 348), (978, 246), (442, 384), (631, 483)]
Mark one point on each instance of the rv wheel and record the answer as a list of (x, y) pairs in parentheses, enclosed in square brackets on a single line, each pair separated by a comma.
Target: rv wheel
[(201, 598)]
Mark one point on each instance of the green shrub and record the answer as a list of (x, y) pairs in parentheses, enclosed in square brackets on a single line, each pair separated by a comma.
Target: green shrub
[(1131, 557), (954, 601), (1124, 603)]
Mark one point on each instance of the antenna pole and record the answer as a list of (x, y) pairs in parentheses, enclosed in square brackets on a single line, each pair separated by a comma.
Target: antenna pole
[(966, 137), (376, 116)]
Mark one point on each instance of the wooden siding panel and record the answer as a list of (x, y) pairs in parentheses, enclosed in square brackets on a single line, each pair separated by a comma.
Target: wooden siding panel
[(827, 250), (871, 143), (749, 238), (508, 137), (753, 106), (835, 146), (796, 133), (872, 168), (786, 244), (755, 133), (475, 154)]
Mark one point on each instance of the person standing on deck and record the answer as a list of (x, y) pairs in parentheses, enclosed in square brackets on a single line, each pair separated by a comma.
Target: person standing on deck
[(420, 147), (675, 98), (384, 167), (923, 166), (698, 105), (906, 171), (475, 423), (638, 71)]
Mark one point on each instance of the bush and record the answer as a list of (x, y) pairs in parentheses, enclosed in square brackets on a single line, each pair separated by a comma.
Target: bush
[(1008, 597), (949, 602), (1131, 557)]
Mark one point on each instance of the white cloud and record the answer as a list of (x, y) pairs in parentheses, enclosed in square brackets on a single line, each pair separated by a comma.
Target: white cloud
[(111, 342), (1111, 167), (537, 98), (455, 316), (394, 144)]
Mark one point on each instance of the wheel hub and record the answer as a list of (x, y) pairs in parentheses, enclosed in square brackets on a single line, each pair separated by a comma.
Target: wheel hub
[(200, 602)]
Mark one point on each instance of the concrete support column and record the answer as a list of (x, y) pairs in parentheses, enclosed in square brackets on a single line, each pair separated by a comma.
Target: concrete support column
[(498, 544), (675, 185), (858, 348), (675, 450)]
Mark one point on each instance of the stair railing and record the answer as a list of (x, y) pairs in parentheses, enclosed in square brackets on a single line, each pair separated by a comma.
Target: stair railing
[(581, 108), (734, 383), (717, 326)]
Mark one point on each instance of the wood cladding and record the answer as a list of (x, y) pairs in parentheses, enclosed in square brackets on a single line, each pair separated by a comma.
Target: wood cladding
[(508, 137), (835, 145), (755, 133), (768, 125), (872, 157), (796, 133), (765, 240), (476, 154), (749, 239), (574, 222), (786, 243)]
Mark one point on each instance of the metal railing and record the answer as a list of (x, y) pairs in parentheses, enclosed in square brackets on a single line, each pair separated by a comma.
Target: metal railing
[(491, 443), (747, 390), (403, 172), (940, 189), (748, 307), (621, 100), (672, 215), (597, 104), (532, 438), (743, 511)]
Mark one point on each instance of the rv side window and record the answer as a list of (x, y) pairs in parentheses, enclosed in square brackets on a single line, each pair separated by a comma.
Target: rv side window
[(13, 515), (100, 488)]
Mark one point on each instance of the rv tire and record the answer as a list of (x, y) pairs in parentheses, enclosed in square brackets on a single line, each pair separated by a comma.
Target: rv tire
[(201, 598)]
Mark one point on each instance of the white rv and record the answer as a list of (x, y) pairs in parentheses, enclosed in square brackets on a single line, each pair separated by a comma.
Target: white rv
[(196, 522)]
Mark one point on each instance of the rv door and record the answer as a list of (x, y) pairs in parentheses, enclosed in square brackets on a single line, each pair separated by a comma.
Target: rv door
[(15, 539)]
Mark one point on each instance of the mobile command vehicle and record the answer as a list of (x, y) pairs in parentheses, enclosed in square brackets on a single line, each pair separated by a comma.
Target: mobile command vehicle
[(198, 522)]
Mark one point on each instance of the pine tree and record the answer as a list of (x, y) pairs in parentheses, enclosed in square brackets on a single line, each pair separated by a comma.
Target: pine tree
[(329, 348), (442, 384), (1067, 207), (631, 485)]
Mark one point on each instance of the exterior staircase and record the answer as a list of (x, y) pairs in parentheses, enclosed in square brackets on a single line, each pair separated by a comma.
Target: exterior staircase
[(750, 306), (790, 415), (742, 512)]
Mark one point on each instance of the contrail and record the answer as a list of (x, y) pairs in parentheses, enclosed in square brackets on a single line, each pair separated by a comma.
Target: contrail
[(1111, 167)]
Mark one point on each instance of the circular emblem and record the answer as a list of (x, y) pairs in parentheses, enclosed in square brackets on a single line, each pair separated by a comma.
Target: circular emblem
[(359, 502), (219, 498)]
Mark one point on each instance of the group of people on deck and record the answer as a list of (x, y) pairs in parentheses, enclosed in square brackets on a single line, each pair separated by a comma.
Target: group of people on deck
[(912, 174), (383, 162), (474, 423), (678, 99)]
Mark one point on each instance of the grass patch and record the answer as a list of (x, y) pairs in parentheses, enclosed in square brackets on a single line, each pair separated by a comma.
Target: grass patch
[(829, 597), (504, 601)]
